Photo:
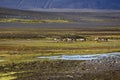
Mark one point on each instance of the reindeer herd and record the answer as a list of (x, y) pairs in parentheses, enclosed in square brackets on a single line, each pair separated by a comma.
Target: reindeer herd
[(65, 39), (101, 39), (83, 39)]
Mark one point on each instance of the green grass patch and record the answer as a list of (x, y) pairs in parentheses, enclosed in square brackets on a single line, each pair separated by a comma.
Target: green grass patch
[(16, 51), (7, 76), (32, 21)]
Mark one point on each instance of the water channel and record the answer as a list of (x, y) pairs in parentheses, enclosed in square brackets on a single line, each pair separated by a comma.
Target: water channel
[(81, 57)]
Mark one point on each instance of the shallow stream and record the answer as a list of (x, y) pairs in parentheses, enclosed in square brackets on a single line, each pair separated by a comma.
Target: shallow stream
[(81, 57)]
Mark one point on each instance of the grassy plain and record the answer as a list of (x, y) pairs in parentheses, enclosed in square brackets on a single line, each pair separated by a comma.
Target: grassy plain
[(20, 44), (20, 48)]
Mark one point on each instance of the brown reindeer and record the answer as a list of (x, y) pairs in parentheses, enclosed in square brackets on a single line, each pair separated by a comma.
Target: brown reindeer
[(57, 39), (83, 39), (101, 39)]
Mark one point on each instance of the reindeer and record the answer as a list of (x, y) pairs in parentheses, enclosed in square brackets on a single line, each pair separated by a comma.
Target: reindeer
[(69, 39), (57, 39), (96, 39), (83, 39), (101, 39)]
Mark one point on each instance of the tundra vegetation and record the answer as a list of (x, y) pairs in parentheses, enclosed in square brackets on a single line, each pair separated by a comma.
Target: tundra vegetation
[(26, 35), (19, 48)]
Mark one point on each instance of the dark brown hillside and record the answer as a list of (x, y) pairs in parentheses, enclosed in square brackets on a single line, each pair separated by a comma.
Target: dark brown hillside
[(76, 19)]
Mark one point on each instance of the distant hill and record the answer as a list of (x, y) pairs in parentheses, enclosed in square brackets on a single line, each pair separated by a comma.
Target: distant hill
[(61, 4), (76, 19)]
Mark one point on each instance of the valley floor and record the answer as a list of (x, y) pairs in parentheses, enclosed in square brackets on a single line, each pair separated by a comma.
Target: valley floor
[(19, 48)]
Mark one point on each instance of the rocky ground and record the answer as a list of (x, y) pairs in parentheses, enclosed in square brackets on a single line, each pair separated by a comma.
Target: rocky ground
[(104, 64), (101, 69), (107, 68)]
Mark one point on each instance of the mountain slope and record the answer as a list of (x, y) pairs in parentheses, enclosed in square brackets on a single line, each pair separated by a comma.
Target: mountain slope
[(75, 18), (70, 4)]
